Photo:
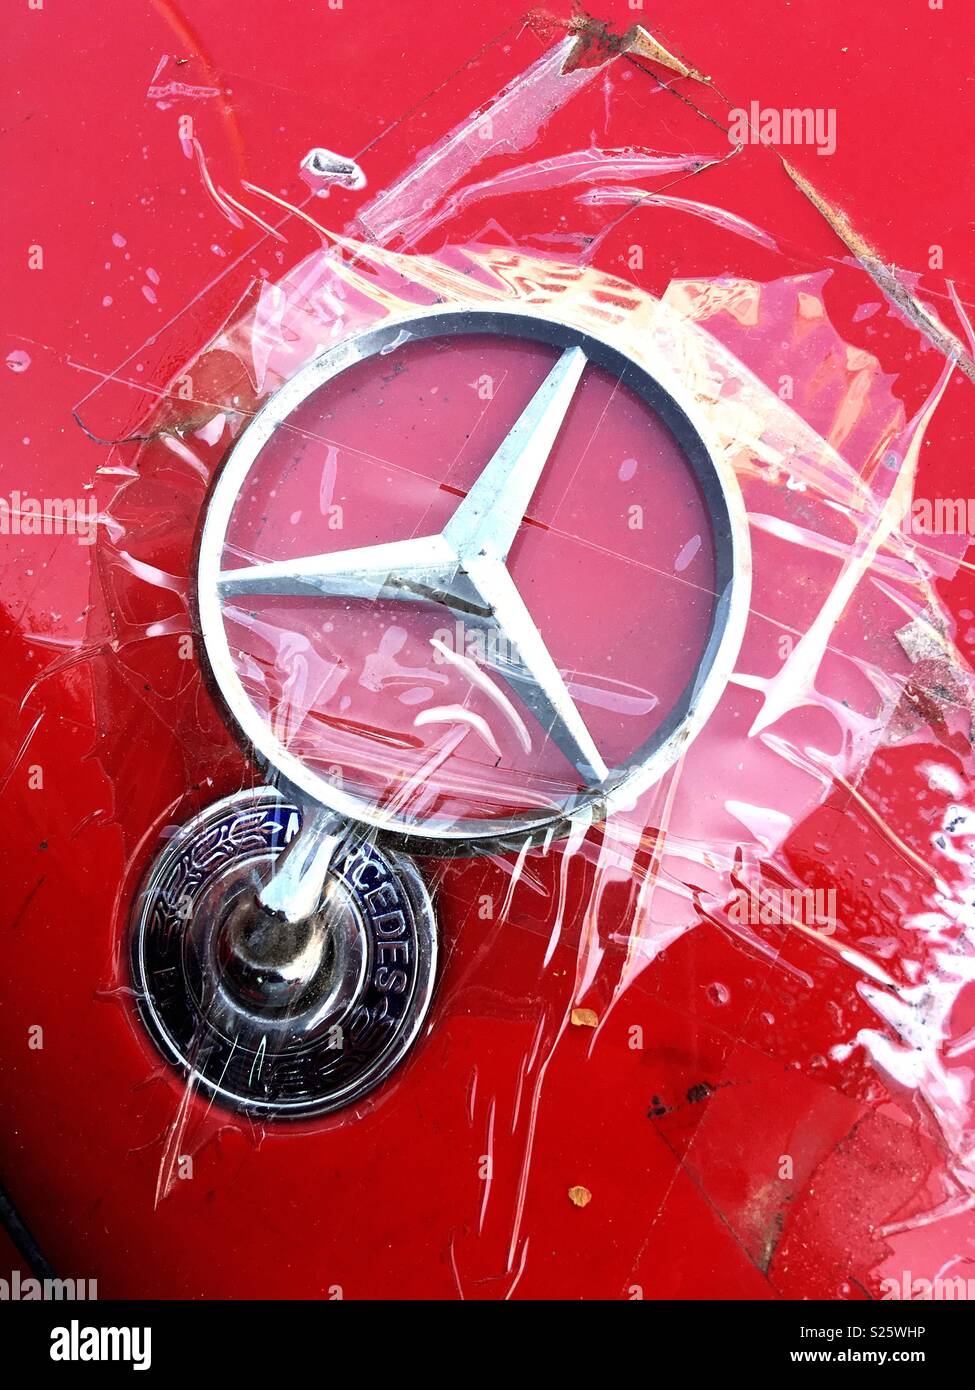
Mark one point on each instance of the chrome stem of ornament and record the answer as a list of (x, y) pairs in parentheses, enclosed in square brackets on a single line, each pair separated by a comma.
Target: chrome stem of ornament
[(284, 952)]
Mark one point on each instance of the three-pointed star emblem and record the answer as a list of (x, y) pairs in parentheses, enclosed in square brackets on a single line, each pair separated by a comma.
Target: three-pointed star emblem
[(464, 568)]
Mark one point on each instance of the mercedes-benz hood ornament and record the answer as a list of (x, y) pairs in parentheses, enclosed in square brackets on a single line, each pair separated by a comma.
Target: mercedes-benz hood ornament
[(284, 947)]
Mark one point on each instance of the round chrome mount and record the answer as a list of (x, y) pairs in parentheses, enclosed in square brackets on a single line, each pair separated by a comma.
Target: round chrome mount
[(271, 1016)]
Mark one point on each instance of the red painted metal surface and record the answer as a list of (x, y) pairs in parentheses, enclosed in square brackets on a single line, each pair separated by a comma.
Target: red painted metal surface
[(680, 1141)]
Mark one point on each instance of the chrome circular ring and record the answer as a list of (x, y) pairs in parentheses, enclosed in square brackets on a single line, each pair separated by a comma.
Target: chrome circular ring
[(438, 835)]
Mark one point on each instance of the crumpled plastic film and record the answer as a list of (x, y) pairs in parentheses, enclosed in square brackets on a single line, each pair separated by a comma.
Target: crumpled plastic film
[(850, 678)]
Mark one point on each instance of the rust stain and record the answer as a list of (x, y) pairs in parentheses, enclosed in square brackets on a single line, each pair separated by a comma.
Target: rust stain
[(597, 42), (584, 1018), (885, 277), (640, 43)]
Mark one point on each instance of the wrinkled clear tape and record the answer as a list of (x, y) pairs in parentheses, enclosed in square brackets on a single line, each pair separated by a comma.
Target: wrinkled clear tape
[(849, 647)]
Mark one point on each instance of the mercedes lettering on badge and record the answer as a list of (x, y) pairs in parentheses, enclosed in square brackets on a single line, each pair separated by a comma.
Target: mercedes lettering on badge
[(284, 946)]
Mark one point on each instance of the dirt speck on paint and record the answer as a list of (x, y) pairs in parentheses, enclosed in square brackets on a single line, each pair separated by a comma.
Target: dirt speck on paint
[(699, 1092), (580, 1196), (584, 1018)]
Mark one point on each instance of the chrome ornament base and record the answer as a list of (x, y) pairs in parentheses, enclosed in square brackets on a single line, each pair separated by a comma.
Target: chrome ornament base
[(270, 1015)]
